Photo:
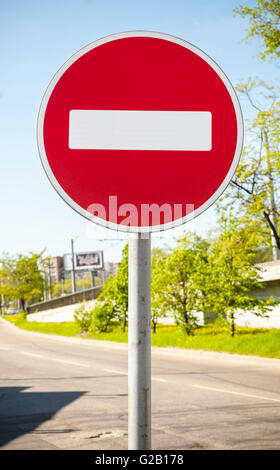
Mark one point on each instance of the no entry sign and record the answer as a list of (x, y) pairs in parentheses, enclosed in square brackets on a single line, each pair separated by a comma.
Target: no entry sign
[(140, 131)]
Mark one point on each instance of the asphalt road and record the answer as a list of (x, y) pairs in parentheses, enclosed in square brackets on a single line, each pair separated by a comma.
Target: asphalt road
[(69, 393)]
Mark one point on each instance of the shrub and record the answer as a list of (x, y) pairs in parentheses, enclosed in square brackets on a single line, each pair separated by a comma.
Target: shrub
[(84, 316), (102, 316)]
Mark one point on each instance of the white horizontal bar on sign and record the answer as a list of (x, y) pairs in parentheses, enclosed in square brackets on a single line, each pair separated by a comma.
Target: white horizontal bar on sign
[(140, 130)]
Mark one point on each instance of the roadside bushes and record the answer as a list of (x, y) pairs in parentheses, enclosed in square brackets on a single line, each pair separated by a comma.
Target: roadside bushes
[(95, 319), (83, 316), (102, 317)]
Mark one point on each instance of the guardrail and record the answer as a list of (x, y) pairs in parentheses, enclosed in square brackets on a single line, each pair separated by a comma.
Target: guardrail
[(68, 299)]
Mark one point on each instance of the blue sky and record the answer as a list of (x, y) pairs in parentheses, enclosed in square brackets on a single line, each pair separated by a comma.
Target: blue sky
[(36, 39)]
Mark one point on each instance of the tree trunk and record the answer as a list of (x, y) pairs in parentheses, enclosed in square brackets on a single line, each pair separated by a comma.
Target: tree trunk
[(271, 201), (2, 304), (188, 326), (232, 326), (124, 322), (22, 304)]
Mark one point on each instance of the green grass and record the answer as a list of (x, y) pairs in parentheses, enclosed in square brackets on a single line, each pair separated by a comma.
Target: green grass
[(63, 328), (254, 341)]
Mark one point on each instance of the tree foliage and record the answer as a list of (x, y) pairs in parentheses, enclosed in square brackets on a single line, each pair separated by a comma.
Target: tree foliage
[(196, 277), (229, 275), (114, 296), (158, 285), (21, 278), (180, 294), (97, 316), (121, 288), (264, 20), (253, 195)]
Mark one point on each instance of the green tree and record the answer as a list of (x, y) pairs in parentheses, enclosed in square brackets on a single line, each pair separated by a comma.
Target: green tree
[(114, 295), (103, 315), (121, 288), (264, 20), (57, 289), (181, 294), (98, 318), (67, 286), (21, 278), (109, 298), (253, 195), (158, 285), (230, 274)]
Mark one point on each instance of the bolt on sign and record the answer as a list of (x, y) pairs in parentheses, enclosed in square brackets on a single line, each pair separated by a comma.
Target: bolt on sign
[(140, 131)]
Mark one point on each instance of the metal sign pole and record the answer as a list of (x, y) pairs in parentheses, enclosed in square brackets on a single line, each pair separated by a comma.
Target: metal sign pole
[(139, 342)]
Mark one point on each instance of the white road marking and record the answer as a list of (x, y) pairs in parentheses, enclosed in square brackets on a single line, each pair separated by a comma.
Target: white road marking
[(53, 359), (235, 393), (140, 130), (125, 373), (69, 362), (115, 371), (31, 355)]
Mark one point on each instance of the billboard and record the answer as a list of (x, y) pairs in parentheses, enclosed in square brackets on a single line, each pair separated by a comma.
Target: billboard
[(84, 261)]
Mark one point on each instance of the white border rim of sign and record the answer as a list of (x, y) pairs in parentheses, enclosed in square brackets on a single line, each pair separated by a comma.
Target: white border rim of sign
[(126, 228)]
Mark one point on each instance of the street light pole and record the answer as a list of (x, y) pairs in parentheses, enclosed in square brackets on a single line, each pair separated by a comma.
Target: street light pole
[(73, 266)]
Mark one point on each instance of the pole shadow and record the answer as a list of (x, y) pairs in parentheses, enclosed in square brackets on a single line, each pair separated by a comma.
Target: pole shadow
[(22, 412)]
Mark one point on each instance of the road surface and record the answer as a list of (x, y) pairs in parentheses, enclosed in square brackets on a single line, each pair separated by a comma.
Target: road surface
[(71, 393)]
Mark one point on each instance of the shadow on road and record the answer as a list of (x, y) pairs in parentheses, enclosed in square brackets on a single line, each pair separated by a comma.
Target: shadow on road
[(21, 412)]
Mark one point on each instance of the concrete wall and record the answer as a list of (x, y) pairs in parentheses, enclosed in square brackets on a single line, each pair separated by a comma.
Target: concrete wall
[(58, 315), (248, 319), (65, 300), (270, 289), (270, 272)]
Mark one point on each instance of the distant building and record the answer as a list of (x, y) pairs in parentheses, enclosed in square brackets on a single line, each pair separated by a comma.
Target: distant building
[(270, 273), (56, 268)]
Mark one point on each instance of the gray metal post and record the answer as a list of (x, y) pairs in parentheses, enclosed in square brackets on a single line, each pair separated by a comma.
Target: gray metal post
[(62, 287), (92, 279), (50, 282), (139, 343), (73, 267)]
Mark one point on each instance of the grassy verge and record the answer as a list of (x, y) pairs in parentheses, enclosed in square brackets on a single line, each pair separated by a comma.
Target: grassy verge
[(63, 328), (254, 341)]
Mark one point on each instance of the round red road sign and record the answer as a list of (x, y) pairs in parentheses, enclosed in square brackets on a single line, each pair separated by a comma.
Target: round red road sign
[(140, 131)]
